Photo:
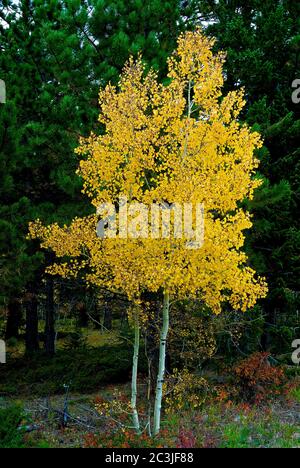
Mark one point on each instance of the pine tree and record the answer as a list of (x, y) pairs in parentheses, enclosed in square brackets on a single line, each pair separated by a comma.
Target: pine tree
[(54, 56)]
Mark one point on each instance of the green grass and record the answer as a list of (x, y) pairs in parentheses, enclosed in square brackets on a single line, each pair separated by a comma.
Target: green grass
[(295, 393), (10, 434), (260, 435), (216, 425)]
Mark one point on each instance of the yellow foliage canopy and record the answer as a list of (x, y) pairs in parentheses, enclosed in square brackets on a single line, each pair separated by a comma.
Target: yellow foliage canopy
[(179, 143)]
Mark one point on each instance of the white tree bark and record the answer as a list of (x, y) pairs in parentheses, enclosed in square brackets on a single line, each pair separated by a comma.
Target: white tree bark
[(135, 360), (162, 364)]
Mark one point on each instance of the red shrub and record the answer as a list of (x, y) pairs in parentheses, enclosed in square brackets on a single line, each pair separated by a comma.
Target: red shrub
[(256, 378), (186, 439)]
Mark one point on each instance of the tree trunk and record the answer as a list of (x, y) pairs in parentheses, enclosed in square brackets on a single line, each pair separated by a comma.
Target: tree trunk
[(14, 315), (266, 338), (83, 318), (50, 318), (107, 319), (162, 364), (32, 324), (96, 314), (152, 303), (135, 416)]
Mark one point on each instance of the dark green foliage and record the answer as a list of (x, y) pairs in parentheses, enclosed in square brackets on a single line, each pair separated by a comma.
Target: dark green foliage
[(125, 27), (238, 335), (75, 340), (11, 436), (85, 370), (54, 57)]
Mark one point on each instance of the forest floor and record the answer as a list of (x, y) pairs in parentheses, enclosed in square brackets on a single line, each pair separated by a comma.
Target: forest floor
[(275, 425), (99, 370)]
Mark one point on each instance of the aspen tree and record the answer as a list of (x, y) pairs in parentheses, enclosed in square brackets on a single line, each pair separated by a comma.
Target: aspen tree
[(177, 143)]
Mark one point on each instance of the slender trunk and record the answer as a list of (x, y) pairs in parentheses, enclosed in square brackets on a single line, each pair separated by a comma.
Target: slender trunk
[(107, 319), (162, 364), (266, 339), (82, 317), (32, 324), (96, 314), (50, 319), (149, 387), (14, 315), (153, 305), (135, 416)]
